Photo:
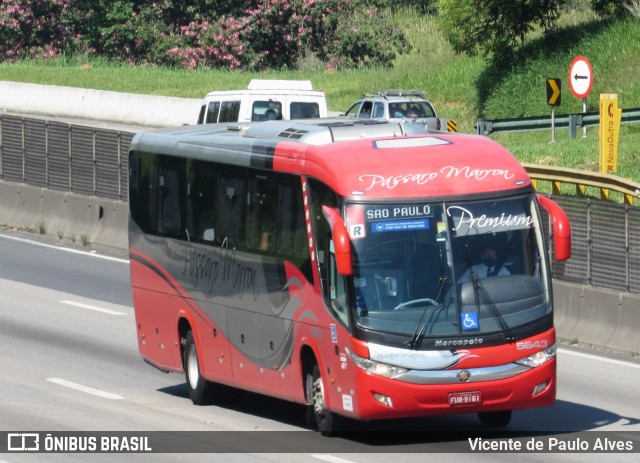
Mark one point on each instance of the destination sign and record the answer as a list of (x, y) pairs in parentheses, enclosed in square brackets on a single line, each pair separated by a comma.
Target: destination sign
[(399, 225), (418, 211)]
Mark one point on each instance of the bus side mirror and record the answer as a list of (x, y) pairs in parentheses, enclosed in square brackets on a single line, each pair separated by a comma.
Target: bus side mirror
[(341, 241), (561, 227)]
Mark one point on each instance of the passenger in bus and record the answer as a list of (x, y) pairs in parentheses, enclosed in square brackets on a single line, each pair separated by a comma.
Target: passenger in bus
[(265, 241), (489, 266)]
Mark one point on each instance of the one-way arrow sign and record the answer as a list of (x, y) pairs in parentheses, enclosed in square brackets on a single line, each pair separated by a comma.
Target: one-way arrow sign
[(580, 77), (553, 91)]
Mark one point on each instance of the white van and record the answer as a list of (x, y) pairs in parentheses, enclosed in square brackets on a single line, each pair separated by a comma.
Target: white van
[(264, 100)]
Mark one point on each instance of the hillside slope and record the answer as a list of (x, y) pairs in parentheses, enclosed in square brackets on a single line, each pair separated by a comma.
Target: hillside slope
[(460, 87)]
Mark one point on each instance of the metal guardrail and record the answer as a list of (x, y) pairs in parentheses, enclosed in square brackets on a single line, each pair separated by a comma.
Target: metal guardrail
[(582, 179), (605, 245), (65, 157), (571, 121)]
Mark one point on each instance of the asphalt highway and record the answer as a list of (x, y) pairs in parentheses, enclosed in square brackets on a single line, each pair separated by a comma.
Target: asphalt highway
[(70, 364)]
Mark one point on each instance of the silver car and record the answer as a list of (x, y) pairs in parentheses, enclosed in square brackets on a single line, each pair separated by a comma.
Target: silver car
[(396, 105)]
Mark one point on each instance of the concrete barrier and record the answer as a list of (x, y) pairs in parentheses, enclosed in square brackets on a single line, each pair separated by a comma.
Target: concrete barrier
[(81, 103), (597, 317), (63, 214)]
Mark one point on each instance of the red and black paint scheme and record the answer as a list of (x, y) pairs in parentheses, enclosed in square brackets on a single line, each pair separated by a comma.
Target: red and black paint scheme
[(340, 327)]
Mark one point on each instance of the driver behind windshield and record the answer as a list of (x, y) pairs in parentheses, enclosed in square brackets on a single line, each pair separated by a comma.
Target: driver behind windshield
[(489, 266)]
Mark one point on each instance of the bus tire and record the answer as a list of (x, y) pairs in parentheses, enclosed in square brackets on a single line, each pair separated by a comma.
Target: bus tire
[(200, 390), (495, 419), (327, 422)]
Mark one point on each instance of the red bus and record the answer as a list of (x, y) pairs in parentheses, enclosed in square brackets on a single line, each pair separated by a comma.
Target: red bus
[(337, 264)]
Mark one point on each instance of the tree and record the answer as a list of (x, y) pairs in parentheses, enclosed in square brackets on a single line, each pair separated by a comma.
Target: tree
[(251, 35), (617, 7), (35, 29), (278, 33), (496, 28)]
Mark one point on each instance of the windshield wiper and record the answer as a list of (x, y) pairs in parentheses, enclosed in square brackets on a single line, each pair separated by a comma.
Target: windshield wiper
[(423, 323), (481, 295)]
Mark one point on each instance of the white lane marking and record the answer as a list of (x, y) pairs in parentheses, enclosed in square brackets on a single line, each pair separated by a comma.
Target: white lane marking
[(85, 389), (92, 307), (331, 458), (74, 251), (599, 358)]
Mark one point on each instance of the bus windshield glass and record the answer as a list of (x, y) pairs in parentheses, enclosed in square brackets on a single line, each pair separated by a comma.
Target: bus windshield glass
[(448, 269)]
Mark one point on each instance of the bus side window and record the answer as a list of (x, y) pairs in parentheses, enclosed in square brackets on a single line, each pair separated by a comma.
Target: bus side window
[(201, 201), (230, 205), (144, 191), (170, 210), (262, 206), (337, 287), (332, 284), (292, 233)]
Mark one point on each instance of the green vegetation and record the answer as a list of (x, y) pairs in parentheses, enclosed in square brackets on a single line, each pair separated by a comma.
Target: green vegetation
[(244, 36), (460, 87), (497, 29), (42, 228)]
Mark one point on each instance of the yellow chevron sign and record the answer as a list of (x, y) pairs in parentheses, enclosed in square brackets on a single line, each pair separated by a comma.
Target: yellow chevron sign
[(452, 125), (553, 92)]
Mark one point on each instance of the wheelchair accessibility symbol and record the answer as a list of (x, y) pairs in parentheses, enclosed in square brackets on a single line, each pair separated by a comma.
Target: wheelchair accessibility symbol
[(469, 320)]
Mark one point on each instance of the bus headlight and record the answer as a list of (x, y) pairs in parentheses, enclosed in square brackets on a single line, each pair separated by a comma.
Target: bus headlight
[(539, 358), (377, 368)]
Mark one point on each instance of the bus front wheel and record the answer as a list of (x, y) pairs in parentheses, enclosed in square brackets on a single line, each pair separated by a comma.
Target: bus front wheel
[(326, 421), (200, 390)]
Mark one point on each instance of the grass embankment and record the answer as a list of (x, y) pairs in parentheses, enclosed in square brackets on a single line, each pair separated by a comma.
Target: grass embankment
[(460, 87)]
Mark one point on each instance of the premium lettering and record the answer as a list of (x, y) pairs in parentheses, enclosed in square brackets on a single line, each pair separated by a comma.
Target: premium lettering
[(506, 221)]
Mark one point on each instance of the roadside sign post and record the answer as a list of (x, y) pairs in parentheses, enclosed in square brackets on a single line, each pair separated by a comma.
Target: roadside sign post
[(580, 82), (553, 100), (584, 110), (610, 118)]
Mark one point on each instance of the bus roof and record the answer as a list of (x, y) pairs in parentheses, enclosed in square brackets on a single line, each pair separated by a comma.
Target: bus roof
[(369, 160)]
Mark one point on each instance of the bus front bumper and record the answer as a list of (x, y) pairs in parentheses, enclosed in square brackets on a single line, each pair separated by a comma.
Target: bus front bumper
[(384, 398)]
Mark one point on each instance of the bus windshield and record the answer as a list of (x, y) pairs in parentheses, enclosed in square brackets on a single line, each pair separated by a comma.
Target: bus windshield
[(448, 269)]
